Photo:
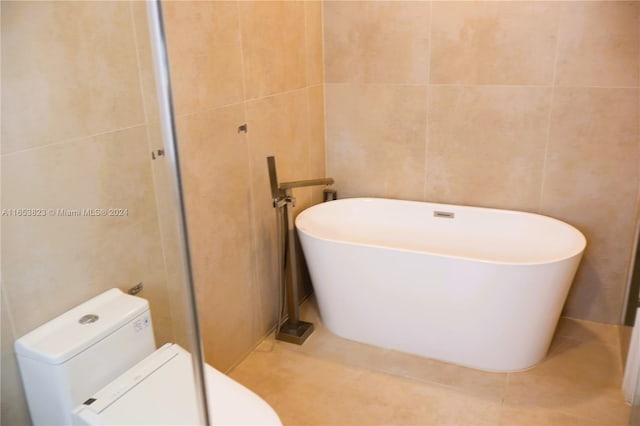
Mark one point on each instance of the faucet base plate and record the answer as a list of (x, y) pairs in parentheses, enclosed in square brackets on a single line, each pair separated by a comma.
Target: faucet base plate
[(295, 333)]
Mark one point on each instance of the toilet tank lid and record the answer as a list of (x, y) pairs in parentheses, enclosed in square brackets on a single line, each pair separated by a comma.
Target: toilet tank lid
[(77, 329)]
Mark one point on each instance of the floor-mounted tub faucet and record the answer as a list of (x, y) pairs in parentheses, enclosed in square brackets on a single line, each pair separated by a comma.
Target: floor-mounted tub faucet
[(292, 330)]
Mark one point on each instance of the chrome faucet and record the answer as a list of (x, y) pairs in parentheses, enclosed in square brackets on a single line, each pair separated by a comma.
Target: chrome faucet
[(292, 330)]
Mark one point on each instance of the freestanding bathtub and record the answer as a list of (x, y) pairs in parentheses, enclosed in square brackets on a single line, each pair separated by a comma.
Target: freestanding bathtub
[(473, 286)]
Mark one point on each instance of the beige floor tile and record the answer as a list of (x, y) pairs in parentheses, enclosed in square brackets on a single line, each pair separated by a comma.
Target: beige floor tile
[(533, 391), (327, 345), (514, 416), (577, 378), (334, 381), (376, 398), (584, 363)]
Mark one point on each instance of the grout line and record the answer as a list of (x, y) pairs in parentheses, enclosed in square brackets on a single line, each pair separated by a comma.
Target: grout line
[(251, 350), (427, 107), (273, 95), (6, 305), (215, 108), (138, 62), (241, 49), (324, 88), (305, 34), (73, 140), (426, 143), (253, 225), (554, 78), (540, 86)]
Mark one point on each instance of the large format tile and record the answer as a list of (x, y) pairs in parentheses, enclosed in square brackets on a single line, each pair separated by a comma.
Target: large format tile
[(309, 390), (273, 41), (578, 378), (510, 416), (330, 380), (317, 148), (217, 196), (323, 344), (591, 181), (377, 42), (314, 42), (486, 145), (493, 42), (57, 85), (205, 54), (287, 140), (14, 407), (53, 263), (599, 44), (376, 139)]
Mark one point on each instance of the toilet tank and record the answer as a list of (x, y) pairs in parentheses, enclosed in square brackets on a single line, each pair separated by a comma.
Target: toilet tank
[(66, 360)]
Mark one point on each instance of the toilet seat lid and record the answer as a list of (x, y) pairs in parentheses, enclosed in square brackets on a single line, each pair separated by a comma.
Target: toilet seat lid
[(161, 390)]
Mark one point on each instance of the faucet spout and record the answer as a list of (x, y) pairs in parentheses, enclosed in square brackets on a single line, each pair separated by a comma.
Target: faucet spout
[(308, 182)]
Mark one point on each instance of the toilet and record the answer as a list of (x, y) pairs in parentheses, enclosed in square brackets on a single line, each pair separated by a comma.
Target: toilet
[(97, 364)]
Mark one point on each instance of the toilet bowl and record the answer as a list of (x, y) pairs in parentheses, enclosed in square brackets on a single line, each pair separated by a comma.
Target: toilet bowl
[(160, 391), (97, 364)]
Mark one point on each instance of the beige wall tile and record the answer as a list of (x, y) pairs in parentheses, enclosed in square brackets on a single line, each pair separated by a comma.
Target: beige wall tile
[(317, 148), (272, 135), (486, 145), (273, 40), (167, 209), (76, 86), (217, 194), (314, 43), (79, 257), (145, 63), (493, 42), (377, 42), (588, 331), (288, 141), (164, 186), (13, 409), (592, 298), (280, 48), (506, 43), (205, 54), (591, 181), (599, 44), (376, 139)]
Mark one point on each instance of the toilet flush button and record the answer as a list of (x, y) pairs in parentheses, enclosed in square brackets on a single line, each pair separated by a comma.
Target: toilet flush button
[(88, 319)]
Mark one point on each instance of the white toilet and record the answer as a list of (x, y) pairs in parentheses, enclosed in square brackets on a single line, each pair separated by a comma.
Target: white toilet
[(97, 364)]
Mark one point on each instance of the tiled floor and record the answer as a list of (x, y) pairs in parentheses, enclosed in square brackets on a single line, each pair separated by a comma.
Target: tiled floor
[(333, 381)]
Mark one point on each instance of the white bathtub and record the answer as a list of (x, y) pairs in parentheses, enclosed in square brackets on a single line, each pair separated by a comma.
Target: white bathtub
[(483, 289)]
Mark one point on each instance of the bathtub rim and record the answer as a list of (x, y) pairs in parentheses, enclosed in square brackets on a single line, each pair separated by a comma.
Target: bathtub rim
[(581, 236)]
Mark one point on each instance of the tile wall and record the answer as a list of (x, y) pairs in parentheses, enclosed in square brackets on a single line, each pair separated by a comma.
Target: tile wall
[(75, 135), (525, 105), (237, 62)]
